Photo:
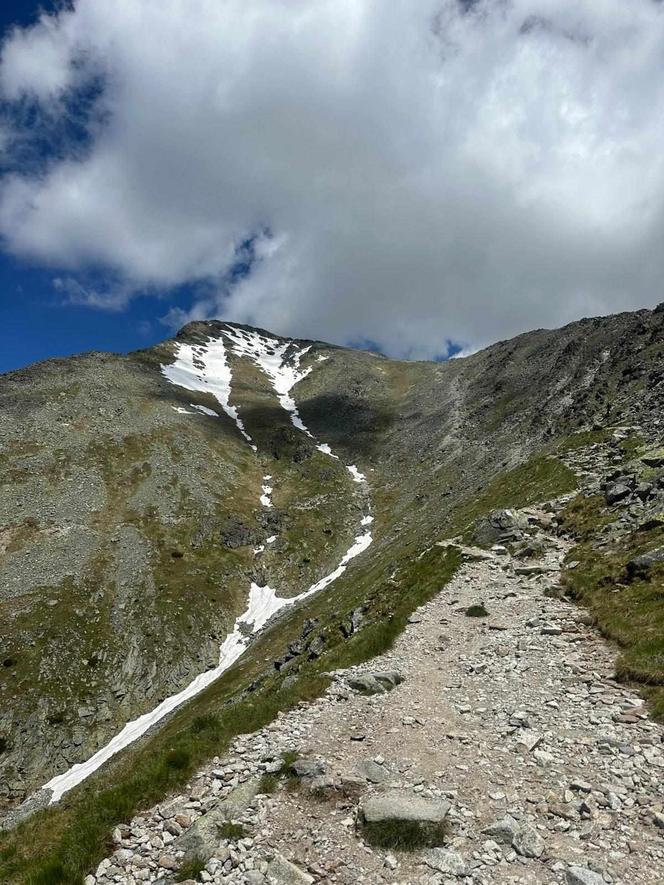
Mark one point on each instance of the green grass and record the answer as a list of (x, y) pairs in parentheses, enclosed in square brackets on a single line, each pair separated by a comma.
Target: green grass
[(232, 831), (539, 479), (629, 612), (581, 440), (270, 780), (190, 869), (268, 783), (404, 835)]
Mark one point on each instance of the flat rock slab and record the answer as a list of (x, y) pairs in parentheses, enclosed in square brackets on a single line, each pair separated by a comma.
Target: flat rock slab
[(202, 838), (308, 768), (405, 807), (282, 872)]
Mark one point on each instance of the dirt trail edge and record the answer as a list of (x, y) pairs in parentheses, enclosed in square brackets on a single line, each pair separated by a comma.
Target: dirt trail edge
[(553, 771)]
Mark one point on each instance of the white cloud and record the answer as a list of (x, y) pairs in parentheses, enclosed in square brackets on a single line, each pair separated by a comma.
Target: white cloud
[(425, 173)]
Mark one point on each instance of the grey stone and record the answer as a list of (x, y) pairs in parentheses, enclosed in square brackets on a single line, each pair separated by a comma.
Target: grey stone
[(305, 768), (202, 837), (502, 831), (375, 682), (405, 807), (499, 525), (640, 566), (527, 842), (617, 491), (583, 876), (580, 786), (282, 872), (446, 860), (373, 772)]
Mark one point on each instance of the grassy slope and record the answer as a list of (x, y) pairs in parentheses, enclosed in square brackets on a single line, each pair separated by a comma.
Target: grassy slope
[(630, 613)]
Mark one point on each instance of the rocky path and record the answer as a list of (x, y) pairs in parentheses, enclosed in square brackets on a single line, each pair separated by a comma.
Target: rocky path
[(553, 771)]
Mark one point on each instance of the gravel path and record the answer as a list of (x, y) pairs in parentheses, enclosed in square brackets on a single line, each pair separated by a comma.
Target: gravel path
[(514, 718)]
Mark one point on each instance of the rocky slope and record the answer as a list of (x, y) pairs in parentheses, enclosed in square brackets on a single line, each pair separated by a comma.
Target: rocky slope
[(136, 514), (544, 768)]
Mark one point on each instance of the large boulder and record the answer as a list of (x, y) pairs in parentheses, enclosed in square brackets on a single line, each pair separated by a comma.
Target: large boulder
[(401, 806), (640, 566), (502, 831), (653, 458), (446, 861), (308, 768), (499, 525), (375, 682), (617, 491)]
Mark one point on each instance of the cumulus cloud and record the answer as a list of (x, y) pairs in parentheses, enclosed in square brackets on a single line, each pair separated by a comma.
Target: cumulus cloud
[(413, 172)]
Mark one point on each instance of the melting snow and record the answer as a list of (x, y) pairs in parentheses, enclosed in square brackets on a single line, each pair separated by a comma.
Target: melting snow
[(355, 473), (263, 604), (181, 410), (205, 368), (326, 450), (266, 500), (270, 356), (205, 410)]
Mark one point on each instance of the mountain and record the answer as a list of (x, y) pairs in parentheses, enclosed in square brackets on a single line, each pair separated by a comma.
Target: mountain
[(209, 517)]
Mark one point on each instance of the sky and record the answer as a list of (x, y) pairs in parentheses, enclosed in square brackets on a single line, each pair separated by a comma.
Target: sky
[(419, 176)]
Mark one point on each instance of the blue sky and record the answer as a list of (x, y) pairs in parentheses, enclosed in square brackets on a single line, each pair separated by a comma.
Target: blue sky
[(327, 170), (34, 323)]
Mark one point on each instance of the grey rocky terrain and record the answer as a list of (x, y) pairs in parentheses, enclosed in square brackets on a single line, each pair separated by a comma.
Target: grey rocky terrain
[(511, 726), (134, 518)]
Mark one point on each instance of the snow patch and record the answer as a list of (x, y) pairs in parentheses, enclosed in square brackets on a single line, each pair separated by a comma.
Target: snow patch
[(210, 412), (204, 368), (266, 497), (367, 520), (262, 605), (326, 450), (355, 473), (281, 367), (181, 410)]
